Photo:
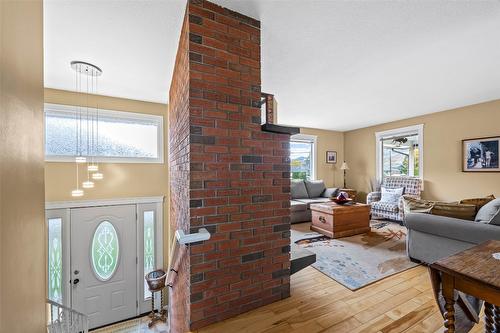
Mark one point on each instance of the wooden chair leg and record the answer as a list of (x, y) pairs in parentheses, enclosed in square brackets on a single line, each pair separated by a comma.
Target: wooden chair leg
[(496, 315), (489, 319)]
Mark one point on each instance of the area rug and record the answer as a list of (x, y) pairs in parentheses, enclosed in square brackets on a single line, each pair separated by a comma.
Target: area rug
[(359, 260)]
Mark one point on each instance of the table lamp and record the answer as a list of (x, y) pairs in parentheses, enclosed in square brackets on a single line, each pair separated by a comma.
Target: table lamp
[(344, 167)]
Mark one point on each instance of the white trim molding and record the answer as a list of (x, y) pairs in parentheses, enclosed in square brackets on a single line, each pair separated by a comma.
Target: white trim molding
[(102, 202), (418, 129), (309, 138)]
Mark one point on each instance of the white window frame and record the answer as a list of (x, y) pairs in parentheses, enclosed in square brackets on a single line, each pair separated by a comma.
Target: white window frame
[(70, 110), (419, 129), (309, 139)]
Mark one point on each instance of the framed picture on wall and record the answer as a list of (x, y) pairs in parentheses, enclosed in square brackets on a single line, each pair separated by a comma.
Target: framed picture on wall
[(481, 154), (331, 157)]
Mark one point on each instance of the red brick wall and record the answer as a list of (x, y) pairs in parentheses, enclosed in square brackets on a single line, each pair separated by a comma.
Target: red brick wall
[(239, 186), (239, 175), (178, 148)]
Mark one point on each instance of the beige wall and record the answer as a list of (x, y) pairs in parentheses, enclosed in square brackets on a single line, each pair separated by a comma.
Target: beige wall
[(328, 140), (22, 227), (443, 132), (120, 179)]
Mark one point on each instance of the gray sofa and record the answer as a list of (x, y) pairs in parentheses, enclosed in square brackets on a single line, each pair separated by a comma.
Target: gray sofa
[(305, 193), (432, 237)]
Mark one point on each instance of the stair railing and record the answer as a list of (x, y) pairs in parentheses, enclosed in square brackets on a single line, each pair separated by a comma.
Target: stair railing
[(62, 319), (181, 240)]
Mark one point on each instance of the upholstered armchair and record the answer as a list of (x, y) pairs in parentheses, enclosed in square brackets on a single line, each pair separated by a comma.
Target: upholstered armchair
[(392, 211)]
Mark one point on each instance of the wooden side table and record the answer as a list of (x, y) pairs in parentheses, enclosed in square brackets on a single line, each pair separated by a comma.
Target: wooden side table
[(351, 192), (474, 272)]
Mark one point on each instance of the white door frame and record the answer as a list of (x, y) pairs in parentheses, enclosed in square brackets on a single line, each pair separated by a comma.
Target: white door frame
[(62, 209)]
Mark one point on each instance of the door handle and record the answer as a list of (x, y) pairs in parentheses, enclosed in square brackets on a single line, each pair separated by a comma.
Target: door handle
[(76, 281), (322, 219)]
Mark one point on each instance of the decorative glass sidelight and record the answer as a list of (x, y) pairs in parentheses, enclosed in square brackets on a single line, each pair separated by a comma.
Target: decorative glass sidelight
[(149, 247), (105, 251), (55, 260)]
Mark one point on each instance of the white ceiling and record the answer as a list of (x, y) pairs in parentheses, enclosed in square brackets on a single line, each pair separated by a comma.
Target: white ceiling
[(331, 64)]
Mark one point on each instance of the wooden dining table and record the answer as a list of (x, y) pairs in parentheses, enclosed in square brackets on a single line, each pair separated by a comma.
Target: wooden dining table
[(474, 272)]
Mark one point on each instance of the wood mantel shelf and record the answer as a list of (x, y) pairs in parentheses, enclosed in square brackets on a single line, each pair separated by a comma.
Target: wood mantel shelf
[(280, 129)]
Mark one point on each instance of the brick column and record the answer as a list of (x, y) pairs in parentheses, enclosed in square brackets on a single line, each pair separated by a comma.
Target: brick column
[(238, 175)]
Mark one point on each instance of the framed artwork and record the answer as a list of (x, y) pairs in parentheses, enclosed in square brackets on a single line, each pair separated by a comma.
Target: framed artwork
[(331, 157), (481, 155)]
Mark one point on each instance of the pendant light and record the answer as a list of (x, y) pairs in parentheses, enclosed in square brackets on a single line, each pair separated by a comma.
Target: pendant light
[(96, 175), (88, 183), (93, 167), (91, 71), (77, 192)]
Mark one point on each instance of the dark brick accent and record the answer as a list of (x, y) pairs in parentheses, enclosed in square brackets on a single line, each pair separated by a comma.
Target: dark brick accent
[(207, 140), (196, 297), (262, 198), (195, 19), (195, 203), (195, 57), (256, 119), (195, 38), (197, 278), (252, 256), (196, 166), (285, 249), (195, 184), (196, 130), (251, 159), (256, 103)]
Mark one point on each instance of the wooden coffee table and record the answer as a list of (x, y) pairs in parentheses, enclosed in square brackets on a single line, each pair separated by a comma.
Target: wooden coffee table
[(337, 221), (474, 272)]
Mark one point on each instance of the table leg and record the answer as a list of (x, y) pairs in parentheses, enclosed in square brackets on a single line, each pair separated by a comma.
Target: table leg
[(489, 320), (448, 287)]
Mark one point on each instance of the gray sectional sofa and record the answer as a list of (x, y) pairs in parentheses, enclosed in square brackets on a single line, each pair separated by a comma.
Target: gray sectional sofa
[(305, 193), (432, 237)]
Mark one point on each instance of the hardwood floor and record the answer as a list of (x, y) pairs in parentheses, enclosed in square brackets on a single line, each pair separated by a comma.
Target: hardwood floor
[(400, 303)]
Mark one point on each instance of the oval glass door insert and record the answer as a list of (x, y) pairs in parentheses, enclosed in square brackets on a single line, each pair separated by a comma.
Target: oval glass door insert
[(105, 251)]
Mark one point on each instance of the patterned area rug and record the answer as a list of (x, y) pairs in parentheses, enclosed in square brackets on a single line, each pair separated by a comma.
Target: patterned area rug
[(359, 260)]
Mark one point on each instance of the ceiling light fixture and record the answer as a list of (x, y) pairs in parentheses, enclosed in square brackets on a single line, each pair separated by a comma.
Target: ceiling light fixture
[(92, 72)]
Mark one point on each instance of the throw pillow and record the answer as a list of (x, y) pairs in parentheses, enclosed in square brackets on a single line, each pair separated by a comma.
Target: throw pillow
[(315, 188), (478, 202), (489, 213), (455, 210), (391, 195), (414, 205), (330, 192), (298, 189), (448, 209)]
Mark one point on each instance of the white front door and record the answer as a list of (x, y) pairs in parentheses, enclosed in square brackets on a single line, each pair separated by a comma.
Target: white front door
[(104, 263)]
